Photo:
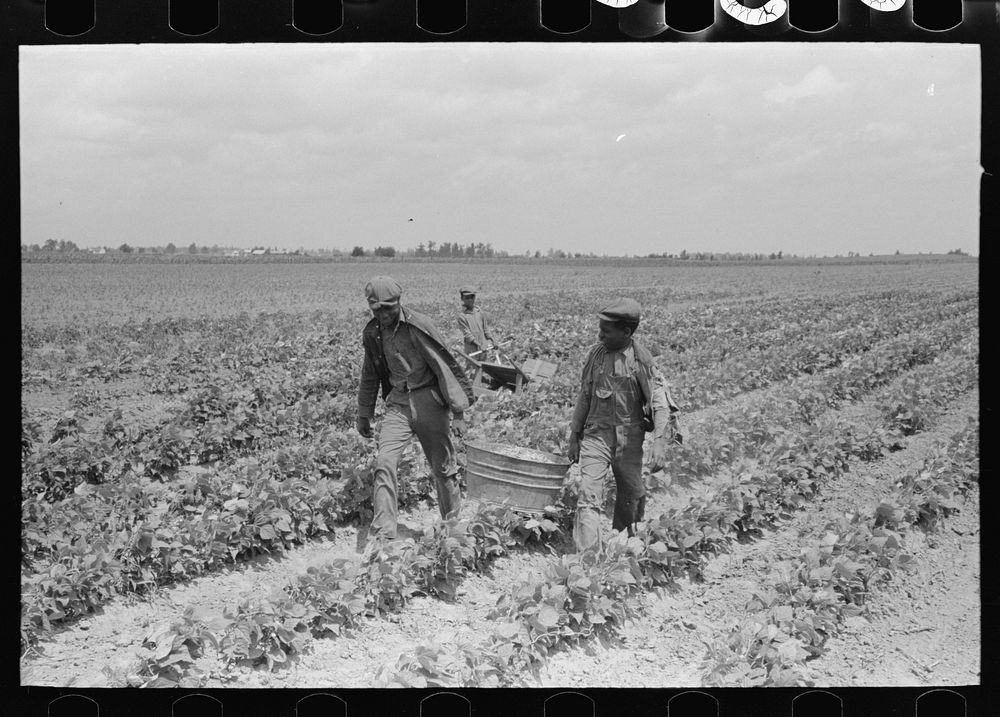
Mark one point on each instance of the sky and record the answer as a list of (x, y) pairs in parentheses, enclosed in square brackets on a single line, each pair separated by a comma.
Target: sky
[(617, 149)]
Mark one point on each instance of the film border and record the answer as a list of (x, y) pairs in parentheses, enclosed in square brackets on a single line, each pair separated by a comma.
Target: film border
[(146, 21)]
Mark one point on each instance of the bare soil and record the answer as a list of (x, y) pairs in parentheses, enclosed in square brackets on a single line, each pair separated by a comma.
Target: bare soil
[(923, 628)]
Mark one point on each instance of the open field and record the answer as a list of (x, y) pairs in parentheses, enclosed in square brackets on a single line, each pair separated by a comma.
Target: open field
[(192, 487), (112, 293)]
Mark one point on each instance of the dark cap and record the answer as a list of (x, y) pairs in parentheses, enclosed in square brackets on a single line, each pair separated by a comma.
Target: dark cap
[(382, 291), (466, 291), (620, 310)]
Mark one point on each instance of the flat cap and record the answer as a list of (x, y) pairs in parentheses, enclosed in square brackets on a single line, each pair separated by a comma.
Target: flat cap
[(466, 291), (382, 291), (620, 310)]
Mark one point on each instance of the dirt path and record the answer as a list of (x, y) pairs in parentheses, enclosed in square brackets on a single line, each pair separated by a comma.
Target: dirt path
[(926, 625), (931, 613), (664, 648), (78, 653)]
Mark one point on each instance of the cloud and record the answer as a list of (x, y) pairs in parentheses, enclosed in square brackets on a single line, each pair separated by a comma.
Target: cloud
[(709, 86), (879, 132), (779, 158), (517, 140), (818, 82)]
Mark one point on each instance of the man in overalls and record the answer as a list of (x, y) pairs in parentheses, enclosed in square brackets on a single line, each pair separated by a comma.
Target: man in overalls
[(426, 393), (622, 396)]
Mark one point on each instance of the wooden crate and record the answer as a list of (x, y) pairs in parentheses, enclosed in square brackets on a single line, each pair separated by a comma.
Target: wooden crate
[(536, 369)]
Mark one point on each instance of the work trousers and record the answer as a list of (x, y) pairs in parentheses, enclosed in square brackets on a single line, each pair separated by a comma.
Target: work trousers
[(619, 449), (426, 416)]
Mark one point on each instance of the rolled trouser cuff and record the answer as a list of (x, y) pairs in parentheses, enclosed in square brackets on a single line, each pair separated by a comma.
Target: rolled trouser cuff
[(587, 529), (630, 502), (449, 494)]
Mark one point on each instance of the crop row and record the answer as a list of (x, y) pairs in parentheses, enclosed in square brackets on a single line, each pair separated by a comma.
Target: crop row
[(85, 294), (537, 419), (583, 597), (209, 427), (210, 526), (807, 600), (758, 331), (694, 458), (691, 338), (258, 340), (108, 539), (256, 409), (927, 496), (213, 424), (333, 599), (176, 356), (710, 383), (718, 440)]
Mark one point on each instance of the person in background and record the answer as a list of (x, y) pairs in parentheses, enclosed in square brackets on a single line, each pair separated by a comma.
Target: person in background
[(472, 322), (623, 395), (426, 393)]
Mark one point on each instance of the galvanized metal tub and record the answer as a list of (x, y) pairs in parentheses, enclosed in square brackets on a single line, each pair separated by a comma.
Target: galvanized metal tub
[(521, 478)]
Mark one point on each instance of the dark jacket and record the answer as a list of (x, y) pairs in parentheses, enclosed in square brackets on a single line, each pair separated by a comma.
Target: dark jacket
[(454, 385)]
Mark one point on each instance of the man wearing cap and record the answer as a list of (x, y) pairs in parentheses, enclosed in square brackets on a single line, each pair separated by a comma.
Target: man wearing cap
[(623, 395), (426, 393), (472, 322)]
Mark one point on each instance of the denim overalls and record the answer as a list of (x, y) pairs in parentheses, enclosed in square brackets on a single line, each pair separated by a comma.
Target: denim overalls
[(612, 438)]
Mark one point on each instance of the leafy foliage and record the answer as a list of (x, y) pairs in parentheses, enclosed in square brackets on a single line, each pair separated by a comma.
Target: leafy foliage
[(808, 599), (255, 453)]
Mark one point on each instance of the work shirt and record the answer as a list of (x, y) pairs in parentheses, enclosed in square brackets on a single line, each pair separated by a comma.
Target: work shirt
[(473, 326), (408, 369), (624, 388), (616, 399), (453, 385)]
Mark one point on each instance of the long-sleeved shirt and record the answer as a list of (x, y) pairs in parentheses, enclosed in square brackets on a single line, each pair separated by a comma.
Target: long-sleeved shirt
[(408, 369), (618, 388), (376, 370), (472, 322)]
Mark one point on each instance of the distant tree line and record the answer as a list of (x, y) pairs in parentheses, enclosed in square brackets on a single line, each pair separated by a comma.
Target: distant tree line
[(387, 251), (475, 250), (450, 250), (54, 246), (722, 256)]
